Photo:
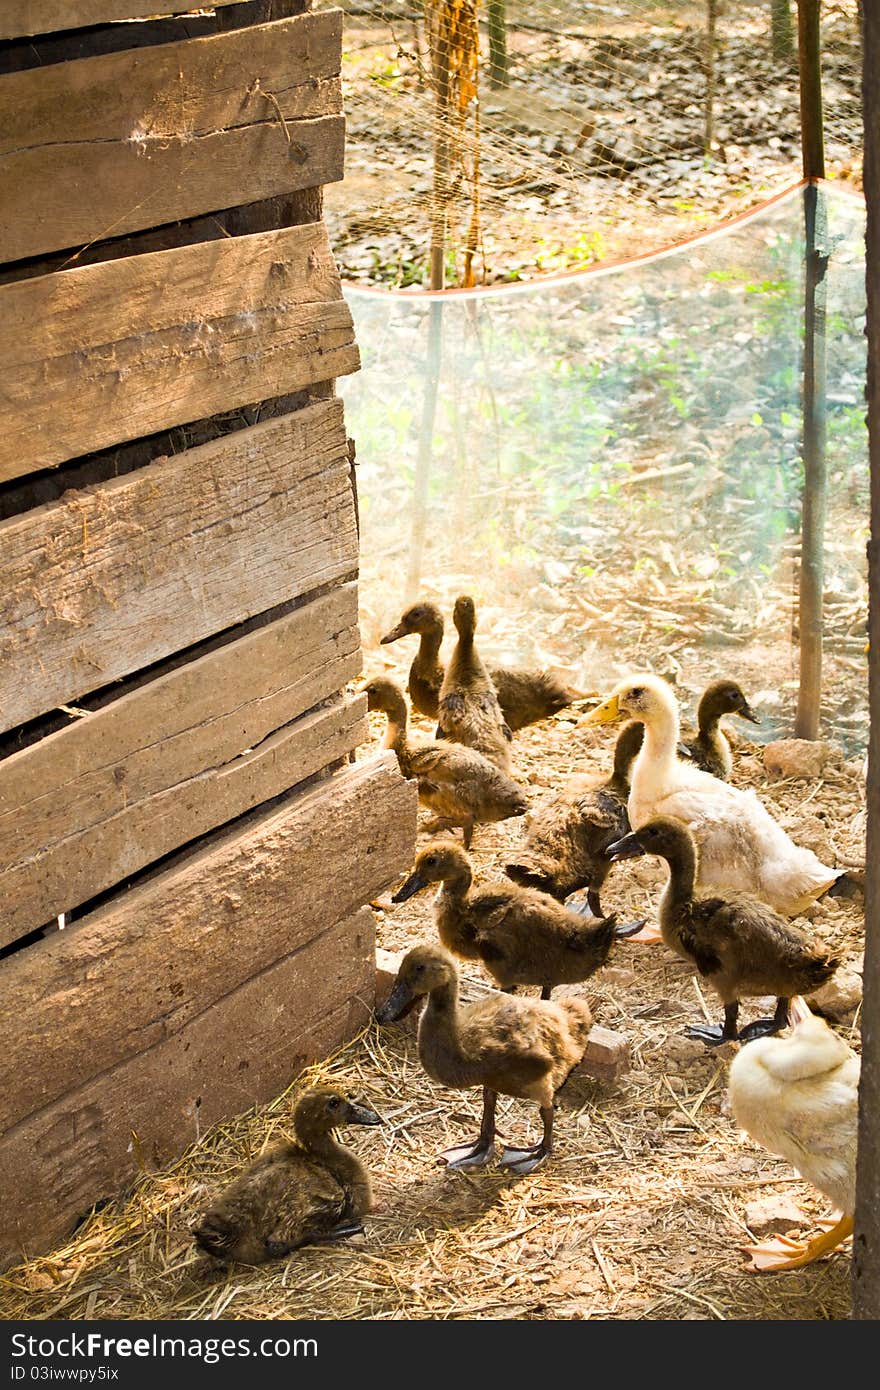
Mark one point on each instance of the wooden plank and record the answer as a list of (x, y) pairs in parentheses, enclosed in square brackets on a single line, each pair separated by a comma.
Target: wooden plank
[(240, 1051), (117, 790), (20, 18), (108, 580), (110, 145), (70, 871), (114, 351), (138, 970)]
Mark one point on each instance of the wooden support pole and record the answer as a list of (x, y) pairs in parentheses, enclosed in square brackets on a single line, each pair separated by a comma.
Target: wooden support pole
[(711, 27), (866, 1245), (423, 459), (812, 570), (440, 191), (810, 63), (499, 73)]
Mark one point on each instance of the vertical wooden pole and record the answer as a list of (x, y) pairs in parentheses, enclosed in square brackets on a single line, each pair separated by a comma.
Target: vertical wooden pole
[(423, 458), (810, 64), (866, 1245), (439, 38), (812, 572), (499, 75), (711, 25)]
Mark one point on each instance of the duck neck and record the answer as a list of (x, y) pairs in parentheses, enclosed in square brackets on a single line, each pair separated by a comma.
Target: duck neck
[(439, 1041), (456, 886), (625, 751), (395, 734), (661, 741), (429, 648), (707, 719), (682, 862)]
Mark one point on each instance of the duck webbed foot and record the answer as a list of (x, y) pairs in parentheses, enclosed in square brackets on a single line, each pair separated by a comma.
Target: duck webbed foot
[(520, 1161), (783, 1253), (476, 1155), (714, 1034), (645, 933), (764, 1027)]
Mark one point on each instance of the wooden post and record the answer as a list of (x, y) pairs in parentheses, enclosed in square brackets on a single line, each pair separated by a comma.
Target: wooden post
[(813, 516), (810, 62), (423, 459), (812, 573), (866, 1246), (499, 75), (711, 22), (439, 39)]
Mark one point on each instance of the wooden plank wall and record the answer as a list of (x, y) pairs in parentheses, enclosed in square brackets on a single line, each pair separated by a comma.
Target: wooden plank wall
[(179, 631)]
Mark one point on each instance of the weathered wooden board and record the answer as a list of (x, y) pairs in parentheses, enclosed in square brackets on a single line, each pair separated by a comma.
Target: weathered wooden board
[(89, 805), (105, 146), (140, 969), (110, 579), (241, 1050), (18, 18), (110, 352), (70, 871)]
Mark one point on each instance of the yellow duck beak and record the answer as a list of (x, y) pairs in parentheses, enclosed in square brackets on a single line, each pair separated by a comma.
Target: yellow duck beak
[(603, 714)]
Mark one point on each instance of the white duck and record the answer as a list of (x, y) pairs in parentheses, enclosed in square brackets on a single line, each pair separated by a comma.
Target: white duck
[(798, 1096), (740, 845)]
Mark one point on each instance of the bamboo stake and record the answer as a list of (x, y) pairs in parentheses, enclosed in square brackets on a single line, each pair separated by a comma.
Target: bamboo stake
[(866, 1243)]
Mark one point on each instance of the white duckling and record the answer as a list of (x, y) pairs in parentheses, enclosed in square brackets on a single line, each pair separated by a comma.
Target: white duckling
[(798, 1096), (740, 845)]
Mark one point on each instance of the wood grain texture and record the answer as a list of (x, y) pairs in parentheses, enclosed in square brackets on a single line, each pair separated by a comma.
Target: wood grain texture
[(139, 970), (110, 352), (19, 18), (110, 145), (240, 1050), (85, 862), (110, 579), (117, 790)]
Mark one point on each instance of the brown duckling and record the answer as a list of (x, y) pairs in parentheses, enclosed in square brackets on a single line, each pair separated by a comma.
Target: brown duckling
[(566, 838), (743, 947), (469, 712), (524, 696), (426, 672), (522, 936), (296, 1193), (509, 1045), (709, 748), (458, 784)]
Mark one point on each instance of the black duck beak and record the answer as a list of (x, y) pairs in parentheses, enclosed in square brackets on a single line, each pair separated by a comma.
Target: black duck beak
[(745, 711), (414, 884), (393, 635), (361, 1115), (400, 1002), (629, 929), (630, 847)]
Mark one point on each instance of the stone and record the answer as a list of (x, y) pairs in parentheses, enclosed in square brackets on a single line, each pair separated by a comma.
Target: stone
[(772, 1215), (840, 997), (606, 1056), (799, 757)]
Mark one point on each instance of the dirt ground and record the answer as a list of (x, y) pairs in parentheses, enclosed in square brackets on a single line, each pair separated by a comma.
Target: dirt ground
[(640, 1214)]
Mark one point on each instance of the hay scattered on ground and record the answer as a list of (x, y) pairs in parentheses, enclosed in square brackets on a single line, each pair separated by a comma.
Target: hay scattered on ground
[(639, 1215)]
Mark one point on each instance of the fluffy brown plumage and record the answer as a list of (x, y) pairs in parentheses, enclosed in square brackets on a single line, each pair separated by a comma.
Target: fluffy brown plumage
[(458, 784), (314, 1189), (709, 747), (567, 835), (739, 944), (524, 696), (521, 936), (469, 712), (508, 1045)]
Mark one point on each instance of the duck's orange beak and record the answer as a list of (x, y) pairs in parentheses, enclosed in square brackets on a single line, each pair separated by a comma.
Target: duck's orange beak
[(603, 714)]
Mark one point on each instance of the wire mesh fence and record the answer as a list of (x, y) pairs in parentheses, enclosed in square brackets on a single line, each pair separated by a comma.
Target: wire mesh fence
[(569, 132)]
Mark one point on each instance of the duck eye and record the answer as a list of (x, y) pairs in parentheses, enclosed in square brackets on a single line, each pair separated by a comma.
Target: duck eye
[(333, 1104), (638, 692)]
